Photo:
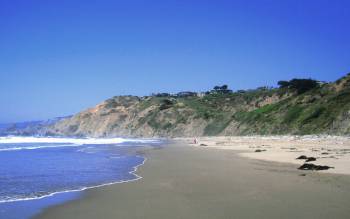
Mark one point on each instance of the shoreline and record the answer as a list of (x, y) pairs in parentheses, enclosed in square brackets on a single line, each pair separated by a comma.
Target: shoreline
[(133, 172), (180, 181), (68, 142), (27, 207)]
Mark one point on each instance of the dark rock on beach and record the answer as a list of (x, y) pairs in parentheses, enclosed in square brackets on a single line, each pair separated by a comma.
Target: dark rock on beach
[(302, 157), (310, 166), (309, 159), (259, 150)]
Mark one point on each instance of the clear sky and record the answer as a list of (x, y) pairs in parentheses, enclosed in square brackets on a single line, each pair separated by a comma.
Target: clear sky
[(59, 57)]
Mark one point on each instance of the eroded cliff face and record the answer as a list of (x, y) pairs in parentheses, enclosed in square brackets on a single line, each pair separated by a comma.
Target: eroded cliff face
[(161, 117), (129, 116), (112, 116), (322, 110)]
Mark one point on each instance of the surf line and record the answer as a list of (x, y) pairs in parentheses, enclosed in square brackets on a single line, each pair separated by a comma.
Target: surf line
[(132, 172)]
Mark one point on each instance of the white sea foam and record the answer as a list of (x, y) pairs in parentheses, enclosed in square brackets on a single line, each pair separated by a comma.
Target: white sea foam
[(133, 172), (80, 141), (38, 147)]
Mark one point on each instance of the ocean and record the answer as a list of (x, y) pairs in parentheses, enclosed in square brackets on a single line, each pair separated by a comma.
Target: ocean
[(37, 172)]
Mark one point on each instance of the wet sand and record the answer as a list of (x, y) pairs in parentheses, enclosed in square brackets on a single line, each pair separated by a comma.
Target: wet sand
[(180, 181)]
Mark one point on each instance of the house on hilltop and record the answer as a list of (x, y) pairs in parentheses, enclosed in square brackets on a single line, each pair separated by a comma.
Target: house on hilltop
[(186, 94)]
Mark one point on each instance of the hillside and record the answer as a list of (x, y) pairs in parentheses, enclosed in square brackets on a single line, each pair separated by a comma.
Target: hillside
[(322, 109), (29, 127)]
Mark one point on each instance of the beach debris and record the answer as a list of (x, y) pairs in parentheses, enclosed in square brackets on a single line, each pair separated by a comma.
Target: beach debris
[(324, 153), (303, 174), (310, 166), (259, 150), (302, 157), (203, 145), (309, 159)]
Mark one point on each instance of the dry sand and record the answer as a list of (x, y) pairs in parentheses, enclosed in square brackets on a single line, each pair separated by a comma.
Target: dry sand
[(188, 182), (331, 151)]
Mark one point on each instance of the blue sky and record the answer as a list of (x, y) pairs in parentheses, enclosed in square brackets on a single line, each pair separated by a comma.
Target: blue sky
[(59, 57)]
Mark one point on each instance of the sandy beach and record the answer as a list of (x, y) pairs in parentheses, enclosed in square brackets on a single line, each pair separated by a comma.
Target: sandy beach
[(180, 181), (332, 151)]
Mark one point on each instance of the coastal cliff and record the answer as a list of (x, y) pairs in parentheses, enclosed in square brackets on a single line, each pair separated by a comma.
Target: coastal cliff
[(323, 108)]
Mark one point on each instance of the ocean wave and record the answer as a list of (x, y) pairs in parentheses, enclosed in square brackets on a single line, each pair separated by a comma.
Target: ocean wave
[(132, 172), (38, 147), (80, 141)]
